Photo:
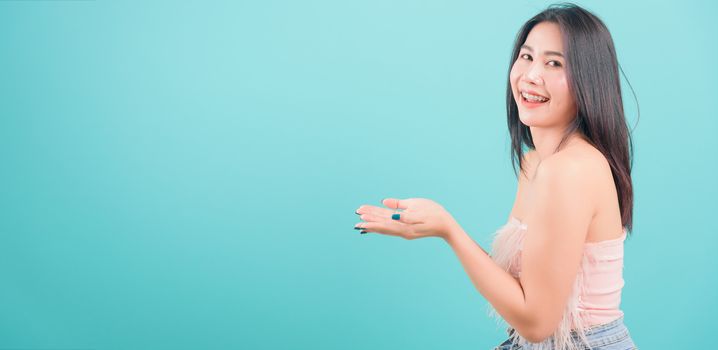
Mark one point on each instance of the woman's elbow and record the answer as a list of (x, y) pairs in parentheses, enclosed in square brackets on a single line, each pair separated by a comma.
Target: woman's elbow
[(537, 333), (541, 326)]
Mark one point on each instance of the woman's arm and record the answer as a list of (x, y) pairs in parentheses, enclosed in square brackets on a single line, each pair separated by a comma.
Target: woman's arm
[(499, 288), (561, 211)]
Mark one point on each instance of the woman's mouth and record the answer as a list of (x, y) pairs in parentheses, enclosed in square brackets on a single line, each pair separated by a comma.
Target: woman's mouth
[(530, 100)]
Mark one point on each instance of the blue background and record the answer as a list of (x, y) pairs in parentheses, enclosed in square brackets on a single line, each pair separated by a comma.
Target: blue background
[(184, 175)]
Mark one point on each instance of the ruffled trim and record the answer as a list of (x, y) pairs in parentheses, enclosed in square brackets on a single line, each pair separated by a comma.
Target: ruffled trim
[(571, 331)]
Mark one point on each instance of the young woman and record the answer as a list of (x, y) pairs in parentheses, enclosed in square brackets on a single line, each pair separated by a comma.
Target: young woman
[(555, 269)]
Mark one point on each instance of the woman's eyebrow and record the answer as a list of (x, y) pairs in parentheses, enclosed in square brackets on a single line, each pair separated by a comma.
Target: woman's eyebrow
[(547, 53)]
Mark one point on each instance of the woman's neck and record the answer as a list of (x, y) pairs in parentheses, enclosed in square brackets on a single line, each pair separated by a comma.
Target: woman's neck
[(547, 140)]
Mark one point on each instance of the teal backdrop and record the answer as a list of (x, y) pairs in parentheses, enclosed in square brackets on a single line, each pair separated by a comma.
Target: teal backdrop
[(184, 174)]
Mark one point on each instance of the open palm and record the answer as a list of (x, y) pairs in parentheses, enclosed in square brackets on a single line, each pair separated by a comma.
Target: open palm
[(420, 217)]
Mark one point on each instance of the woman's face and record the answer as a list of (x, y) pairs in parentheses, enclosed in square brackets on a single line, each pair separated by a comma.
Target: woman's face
[(540, 69)]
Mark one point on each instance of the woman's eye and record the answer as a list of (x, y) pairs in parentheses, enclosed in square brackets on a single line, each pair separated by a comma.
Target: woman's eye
[(553, 63)]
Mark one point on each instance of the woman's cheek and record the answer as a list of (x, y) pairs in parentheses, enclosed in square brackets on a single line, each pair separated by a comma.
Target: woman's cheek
[(562, 86), (514, 73), (566, 98), (514, 78), (564, 81), (559, 90)]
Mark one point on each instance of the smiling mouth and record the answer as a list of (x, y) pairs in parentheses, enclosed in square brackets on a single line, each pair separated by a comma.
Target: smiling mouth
[(533, 99)]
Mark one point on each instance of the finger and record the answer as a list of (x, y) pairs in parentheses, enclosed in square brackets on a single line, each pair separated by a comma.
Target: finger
[(386, 228), (374, 210), (395, 203), (360, 226), (375, 218), (377, 211), (404, 218), (407, 218)]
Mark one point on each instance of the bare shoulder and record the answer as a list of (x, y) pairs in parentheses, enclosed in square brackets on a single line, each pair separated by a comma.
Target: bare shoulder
[(584, 174), (584, 161), (580, 172)]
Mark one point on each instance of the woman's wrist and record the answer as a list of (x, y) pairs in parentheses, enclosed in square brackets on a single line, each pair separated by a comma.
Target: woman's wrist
[(458, 239), (453, 233)]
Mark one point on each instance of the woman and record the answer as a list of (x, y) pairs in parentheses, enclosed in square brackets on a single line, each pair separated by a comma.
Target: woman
[(555, 269)]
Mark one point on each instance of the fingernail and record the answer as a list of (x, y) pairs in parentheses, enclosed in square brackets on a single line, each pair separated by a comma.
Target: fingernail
[(358, 228), (395, 216), (362, 232), (356, 212)]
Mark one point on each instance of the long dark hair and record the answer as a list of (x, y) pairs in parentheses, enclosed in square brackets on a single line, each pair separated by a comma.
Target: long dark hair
[(594, 83)]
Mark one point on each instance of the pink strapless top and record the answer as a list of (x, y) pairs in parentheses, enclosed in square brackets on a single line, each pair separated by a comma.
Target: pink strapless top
[(596, 294)]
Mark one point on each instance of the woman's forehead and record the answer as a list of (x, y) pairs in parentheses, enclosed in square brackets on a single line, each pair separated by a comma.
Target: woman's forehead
[(545, 36)]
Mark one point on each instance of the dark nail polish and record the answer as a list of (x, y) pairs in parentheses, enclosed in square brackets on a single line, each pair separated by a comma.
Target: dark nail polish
[(356, 212), (362, 232), (358, 228), (395, 216)]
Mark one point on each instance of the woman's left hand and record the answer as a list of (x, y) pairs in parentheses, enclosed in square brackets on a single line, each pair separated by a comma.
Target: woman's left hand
[(420, 218)]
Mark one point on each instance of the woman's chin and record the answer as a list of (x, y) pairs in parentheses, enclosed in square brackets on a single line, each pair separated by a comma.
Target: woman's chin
[(529, 119)]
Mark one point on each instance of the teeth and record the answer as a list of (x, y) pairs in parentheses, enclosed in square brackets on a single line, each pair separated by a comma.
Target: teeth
[(533, 98)]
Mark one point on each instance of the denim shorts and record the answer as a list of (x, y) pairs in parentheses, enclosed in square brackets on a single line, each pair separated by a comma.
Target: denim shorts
[(608, 336)]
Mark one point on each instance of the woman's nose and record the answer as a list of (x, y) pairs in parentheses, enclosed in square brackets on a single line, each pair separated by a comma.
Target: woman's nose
[(533, 75)]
